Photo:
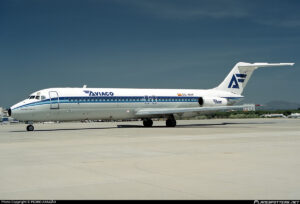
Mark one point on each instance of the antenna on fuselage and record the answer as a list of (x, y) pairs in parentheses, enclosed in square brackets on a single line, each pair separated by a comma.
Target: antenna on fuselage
[(84, 86)]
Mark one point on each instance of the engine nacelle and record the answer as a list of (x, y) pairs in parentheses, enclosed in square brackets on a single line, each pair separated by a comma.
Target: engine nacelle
[(212, 101)]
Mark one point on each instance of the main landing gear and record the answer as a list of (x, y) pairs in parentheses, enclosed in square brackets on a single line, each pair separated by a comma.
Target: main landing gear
[(29, 128), (170, 122), (147, 122)]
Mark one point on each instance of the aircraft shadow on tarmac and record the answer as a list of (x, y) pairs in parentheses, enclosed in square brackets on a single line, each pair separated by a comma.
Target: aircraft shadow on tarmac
[(141, 126), (67, 129), (192, 125)]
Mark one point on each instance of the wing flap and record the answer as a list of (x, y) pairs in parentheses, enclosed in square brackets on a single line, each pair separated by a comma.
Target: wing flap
[(166, 111)]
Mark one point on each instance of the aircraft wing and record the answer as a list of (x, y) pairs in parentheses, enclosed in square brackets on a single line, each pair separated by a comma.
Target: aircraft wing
[(167, 111)]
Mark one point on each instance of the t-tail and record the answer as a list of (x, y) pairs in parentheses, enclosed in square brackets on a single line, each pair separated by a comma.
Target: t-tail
[(237, 79)]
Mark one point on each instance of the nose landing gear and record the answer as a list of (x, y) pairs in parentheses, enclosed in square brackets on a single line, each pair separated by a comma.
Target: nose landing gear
[(29, 128)]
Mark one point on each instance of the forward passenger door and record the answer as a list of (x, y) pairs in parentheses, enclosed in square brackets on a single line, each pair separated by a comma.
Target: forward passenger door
[(54, 100)]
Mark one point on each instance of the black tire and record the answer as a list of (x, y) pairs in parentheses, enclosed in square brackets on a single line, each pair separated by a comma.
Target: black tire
[(148, 123), (170, 123), (30, 128)]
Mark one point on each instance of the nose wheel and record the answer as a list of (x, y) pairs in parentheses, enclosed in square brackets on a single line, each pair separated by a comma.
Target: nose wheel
[(29, 128)]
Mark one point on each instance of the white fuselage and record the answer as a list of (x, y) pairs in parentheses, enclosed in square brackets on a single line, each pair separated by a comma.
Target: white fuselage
[(70, 104)]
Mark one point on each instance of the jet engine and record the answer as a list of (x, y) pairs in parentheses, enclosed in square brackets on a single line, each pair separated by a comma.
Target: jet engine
[(212, 101)]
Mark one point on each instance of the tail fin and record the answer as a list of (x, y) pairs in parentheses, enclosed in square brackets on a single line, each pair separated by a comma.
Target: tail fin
[(237, 79)]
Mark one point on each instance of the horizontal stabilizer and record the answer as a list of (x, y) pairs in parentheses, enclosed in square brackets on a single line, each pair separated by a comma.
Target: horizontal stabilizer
[(263, 64)]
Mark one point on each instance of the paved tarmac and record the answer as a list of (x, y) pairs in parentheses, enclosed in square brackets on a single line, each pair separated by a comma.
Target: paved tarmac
[(199, 159)]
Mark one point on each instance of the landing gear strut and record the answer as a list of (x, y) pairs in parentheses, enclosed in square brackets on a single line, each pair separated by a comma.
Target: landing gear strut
[(147, 122), (171, 122), (29, 128)]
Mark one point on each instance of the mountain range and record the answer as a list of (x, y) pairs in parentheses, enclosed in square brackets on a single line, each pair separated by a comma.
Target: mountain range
[(279, 105)]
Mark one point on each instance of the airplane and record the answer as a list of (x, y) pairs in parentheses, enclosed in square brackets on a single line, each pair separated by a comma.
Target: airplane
[(75, 104)]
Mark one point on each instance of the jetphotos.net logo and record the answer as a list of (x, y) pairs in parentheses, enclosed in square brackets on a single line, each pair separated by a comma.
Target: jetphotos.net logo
[(98, 93), (236, 79), (276, 202)]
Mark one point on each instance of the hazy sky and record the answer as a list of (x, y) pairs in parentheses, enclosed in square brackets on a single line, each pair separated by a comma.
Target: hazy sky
[(147, 44)]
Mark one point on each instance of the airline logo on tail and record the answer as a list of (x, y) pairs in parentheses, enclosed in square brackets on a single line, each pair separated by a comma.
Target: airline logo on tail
[(236, 78)]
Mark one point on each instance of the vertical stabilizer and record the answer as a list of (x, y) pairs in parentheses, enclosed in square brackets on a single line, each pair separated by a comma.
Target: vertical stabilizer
[(237, 79)]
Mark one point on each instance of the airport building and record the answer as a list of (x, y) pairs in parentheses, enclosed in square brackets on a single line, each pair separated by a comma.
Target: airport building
[(249, 107)]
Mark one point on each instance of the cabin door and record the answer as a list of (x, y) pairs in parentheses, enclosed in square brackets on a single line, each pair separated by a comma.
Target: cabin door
[(54, 100)]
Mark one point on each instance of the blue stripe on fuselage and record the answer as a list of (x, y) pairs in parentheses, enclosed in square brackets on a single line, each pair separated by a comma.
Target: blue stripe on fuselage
[(111, 99)]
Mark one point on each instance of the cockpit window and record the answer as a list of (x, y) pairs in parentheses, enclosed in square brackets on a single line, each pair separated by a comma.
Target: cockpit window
[(37, 97), (43, 97), (31, 97)]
